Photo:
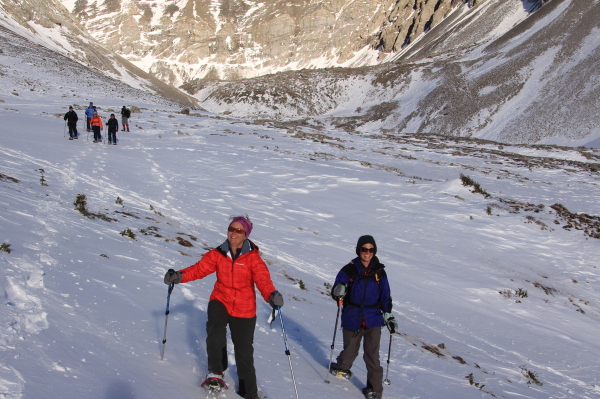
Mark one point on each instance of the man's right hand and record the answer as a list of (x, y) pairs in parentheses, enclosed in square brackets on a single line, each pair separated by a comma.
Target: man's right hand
[(339, 291)]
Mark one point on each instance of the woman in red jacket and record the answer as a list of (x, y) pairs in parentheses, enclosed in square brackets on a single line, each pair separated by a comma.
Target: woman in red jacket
[(239, 268), (96, 123)]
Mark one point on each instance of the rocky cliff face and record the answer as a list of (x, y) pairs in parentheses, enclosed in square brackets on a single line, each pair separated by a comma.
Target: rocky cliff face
[(182, 40)]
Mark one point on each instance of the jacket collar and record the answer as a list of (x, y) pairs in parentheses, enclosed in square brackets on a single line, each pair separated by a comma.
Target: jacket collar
[(247, 246), (374, 266)]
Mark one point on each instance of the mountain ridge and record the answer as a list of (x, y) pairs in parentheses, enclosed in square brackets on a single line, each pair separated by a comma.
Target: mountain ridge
[(462, 93)]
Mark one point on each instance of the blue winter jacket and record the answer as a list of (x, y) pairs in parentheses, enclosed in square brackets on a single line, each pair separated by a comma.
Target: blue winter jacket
[(89, 112), (368, 296)]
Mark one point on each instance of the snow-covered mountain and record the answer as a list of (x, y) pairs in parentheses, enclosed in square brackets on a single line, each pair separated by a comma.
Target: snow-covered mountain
[(493, 71), (184, 40), (48, 34)]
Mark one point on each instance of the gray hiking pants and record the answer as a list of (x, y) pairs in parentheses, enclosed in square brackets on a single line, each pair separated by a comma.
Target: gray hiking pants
[(242, 335), (371, 339)]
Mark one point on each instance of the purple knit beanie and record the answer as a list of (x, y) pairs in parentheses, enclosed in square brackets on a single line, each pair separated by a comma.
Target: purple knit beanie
[(244, 222)]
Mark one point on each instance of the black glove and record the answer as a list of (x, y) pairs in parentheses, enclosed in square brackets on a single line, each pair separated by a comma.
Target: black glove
[(390, 323), (338, 291), (172, 277), (276, 300)]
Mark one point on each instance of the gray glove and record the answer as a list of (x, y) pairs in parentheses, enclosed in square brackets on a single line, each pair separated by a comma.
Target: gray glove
[(390, 323), (276, 300), (339, 291), (172, 277)]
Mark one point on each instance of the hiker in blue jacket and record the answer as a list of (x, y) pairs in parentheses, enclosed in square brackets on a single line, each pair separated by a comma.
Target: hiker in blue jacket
[(364, 288), (89, 112)]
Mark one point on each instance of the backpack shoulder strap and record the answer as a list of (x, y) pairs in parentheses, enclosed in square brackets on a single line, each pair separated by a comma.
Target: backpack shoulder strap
[(350, 270)]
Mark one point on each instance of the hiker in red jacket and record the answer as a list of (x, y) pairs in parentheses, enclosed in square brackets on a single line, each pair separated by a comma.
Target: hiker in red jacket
[(239, 269)]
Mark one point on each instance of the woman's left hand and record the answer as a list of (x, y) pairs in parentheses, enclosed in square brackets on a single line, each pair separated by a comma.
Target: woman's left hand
[(276, 300)]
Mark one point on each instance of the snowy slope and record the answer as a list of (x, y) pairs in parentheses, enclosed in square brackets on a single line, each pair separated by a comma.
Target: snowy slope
[(83, 308)]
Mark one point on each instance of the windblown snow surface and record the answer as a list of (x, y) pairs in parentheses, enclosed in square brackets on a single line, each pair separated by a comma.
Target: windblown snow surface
[(496, 294)]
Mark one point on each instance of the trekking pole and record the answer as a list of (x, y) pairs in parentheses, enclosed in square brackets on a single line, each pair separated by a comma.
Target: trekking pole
[(65, 129), (162, 355), (333, 342), (387, 381), (287, 351)]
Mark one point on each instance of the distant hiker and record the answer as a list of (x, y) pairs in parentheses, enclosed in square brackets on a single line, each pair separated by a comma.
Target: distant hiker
[(96, 123), (239, 268), (89, 112), (367, 304), (72, 118), (125, 114), (112, 125)]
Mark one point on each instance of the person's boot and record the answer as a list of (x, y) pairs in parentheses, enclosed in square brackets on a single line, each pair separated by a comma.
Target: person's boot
[(347, 374)]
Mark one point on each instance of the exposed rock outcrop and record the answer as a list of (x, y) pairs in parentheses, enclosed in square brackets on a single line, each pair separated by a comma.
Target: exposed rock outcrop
[(232, 39)]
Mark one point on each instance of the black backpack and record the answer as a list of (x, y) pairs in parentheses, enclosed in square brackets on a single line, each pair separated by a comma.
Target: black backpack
[(126, 113)]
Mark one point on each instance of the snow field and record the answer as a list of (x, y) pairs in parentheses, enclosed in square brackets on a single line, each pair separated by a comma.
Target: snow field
[(84, 305)]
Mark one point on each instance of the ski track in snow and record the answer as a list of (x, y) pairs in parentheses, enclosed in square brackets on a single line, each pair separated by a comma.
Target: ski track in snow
[(84, 307)]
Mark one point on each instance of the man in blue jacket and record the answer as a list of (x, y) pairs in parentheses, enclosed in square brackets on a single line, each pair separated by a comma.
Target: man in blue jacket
[(363, 285), (89, 112)]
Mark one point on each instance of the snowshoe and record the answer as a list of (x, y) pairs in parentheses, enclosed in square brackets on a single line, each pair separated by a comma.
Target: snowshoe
[(369, 393), (214, 382), (70, 138), (347, 374)]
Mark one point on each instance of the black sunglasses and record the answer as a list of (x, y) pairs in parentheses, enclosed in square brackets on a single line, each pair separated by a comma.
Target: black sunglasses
[(365, 249)]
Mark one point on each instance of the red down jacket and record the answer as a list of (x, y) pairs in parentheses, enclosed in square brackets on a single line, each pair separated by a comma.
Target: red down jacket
[(234, 287)]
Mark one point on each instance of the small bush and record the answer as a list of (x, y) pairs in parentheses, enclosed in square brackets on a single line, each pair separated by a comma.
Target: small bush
[(80, 204), (119, 201), (8, 178), (531, 377), (547, 290), (520, 293), (459, 359), (302, 286), (42, 180), (471, 379), (5, 247), (128, 233), (153, 209), (184, 242), (467, 181)]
